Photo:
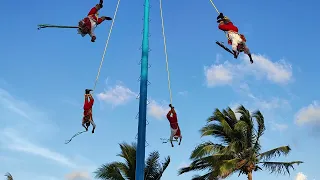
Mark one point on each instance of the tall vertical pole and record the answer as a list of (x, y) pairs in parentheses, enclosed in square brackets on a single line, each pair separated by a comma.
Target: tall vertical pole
[(140, 156)]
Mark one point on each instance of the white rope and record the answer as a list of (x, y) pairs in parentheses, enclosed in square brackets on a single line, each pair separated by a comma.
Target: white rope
[(106, 46), (165, 51), (214, 6)]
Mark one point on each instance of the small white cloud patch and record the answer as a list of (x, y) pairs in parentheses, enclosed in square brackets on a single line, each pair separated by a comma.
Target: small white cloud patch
[(117, 95), (309, 114), (301, 176), (156, 110), (278, 72), (224, 74), (78, 176), (217, 75)]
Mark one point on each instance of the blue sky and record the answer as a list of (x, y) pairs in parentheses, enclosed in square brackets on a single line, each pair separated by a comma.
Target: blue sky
[(44, 73)]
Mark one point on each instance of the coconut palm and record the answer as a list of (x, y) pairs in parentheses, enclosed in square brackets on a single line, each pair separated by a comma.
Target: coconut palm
[(239, 150), (9, 176), (126, 170)]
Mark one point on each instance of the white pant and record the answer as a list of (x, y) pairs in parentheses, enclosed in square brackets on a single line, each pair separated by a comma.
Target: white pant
[(173, 133), (235, 39)]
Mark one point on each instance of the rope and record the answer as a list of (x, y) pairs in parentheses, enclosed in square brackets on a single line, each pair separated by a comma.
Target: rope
[(214, 6), (165, 51), (67, 141), (106, 46)]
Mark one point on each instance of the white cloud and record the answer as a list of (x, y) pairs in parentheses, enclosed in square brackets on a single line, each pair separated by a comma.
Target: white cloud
[(217, 75), (117, 95), (224, 74), (11, 140), (309, 114), (278, 72), (78, 176), (157, 110), (301, 176)]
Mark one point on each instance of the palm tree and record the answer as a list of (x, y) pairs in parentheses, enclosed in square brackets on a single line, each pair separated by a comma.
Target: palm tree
[(239, 150), (9, 176), (126, 170)]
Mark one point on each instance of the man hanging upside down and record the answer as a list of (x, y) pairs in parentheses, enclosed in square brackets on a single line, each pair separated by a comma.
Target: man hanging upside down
[(175, 129), (89, 23), (87, 111), (238, 41)]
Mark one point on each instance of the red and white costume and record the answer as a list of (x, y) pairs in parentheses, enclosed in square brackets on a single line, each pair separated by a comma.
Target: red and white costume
[(234, 38), (87, 112), (175, 129), (89, 23)]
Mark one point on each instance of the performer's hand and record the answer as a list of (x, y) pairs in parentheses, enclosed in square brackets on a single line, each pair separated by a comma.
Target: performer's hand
[(93, 39), (106, 18), (101, 2), (220, 16)]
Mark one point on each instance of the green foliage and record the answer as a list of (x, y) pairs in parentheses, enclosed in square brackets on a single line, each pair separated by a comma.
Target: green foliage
[(126, 170), (9, 176), (239, 150)]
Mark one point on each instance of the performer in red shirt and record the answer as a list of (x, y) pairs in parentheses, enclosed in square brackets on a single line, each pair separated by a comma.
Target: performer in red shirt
[(89, 23), (87, 111), (175, 129), (238, 41)]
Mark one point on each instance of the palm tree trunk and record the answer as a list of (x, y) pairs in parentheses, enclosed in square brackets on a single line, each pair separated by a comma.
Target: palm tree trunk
[(250, 175)]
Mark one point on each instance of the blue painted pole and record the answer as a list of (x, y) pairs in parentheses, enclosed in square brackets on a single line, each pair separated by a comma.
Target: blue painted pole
[(140, 161)]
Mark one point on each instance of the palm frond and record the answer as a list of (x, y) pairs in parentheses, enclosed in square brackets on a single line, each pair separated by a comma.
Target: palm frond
[(215, 130), (246, 117), (204, 149), (152, 165), (216, 114), (128, 153), (164, 166), (109, 171), (228, 167), (166, 163), (273, 153), (208, 176), (9, 176), (230, 117), (198, 165), (280, 167), (260, 121), (261, 128)]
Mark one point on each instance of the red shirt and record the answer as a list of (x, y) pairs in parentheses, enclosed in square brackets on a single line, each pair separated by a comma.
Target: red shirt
[(173, 120), (87, 106), (228, 27), (92, 14)]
